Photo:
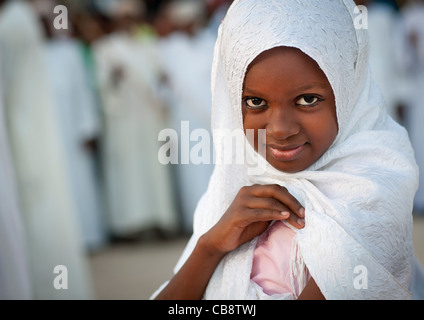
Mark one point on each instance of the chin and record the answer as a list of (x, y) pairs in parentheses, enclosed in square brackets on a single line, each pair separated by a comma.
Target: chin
[(286, 167), (293, 166)]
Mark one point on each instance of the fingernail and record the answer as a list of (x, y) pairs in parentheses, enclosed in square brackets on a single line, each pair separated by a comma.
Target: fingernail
[(285, 213), (300, 221), (302, 212)]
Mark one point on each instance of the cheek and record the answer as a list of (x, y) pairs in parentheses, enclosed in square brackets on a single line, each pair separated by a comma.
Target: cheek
[(333, 124), (324, 131), (253, 122), (243, 114)]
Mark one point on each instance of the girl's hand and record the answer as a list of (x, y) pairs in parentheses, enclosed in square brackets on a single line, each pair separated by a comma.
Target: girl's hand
[(249, 215)]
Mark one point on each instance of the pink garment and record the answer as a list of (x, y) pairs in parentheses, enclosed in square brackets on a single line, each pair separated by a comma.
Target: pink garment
[(271, 261)]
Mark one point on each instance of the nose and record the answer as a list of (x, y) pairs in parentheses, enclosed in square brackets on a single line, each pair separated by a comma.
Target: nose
[(282, 123)]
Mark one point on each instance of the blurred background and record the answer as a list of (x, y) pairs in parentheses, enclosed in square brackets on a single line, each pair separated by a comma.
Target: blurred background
[(85, 88)]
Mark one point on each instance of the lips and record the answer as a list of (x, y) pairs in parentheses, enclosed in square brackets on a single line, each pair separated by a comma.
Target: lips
[(285, 153)]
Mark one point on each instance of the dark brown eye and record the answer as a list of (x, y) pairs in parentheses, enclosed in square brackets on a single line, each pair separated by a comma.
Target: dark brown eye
[(254, 103), (308, 100)]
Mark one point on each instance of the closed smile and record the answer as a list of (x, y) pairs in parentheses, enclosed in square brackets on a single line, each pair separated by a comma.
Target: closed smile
[(285, 153)]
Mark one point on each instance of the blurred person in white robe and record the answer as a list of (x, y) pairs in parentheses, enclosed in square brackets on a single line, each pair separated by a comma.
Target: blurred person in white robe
[(49, 216), (139, 191), (412, 53), (383, 20), (186, 57), (15, 281), (79, 122)]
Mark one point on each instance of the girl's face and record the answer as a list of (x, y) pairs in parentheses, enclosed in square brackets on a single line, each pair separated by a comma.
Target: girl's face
[(286, 93)]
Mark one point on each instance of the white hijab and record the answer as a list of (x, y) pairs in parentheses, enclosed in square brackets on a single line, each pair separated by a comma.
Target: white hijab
[(358, 196)]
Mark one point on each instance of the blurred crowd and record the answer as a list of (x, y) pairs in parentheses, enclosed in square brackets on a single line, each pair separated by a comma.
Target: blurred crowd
[(85, 88), (396, 31)]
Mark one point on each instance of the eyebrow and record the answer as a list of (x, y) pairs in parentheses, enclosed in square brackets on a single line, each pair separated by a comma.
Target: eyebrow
[(250, 91), (321, 85), (308, 86)]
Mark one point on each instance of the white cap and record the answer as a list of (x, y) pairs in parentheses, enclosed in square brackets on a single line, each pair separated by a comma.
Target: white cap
[(183, 12)]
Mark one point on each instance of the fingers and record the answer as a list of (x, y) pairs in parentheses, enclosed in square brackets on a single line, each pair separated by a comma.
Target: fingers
[(273, 202), (295, 221), (268, 203), (282, 195), (256, 215), (261, 214)]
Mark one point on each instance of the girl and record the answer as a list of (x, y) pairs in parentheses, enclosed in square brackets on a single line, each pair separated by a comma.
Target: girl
[(330, 216)]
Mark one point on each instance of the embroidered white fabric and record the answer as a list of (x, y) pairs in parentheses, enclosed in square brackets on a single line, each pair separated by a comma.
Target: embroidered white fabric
[(358, 196)]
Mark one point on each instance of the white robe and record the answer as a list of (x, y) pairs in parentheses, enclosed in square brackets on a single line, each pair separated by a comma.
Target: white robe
[(413, 17), (15, 281), (138, 188), (187, 64), (382, 26), (79, 122), (50, 219)]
